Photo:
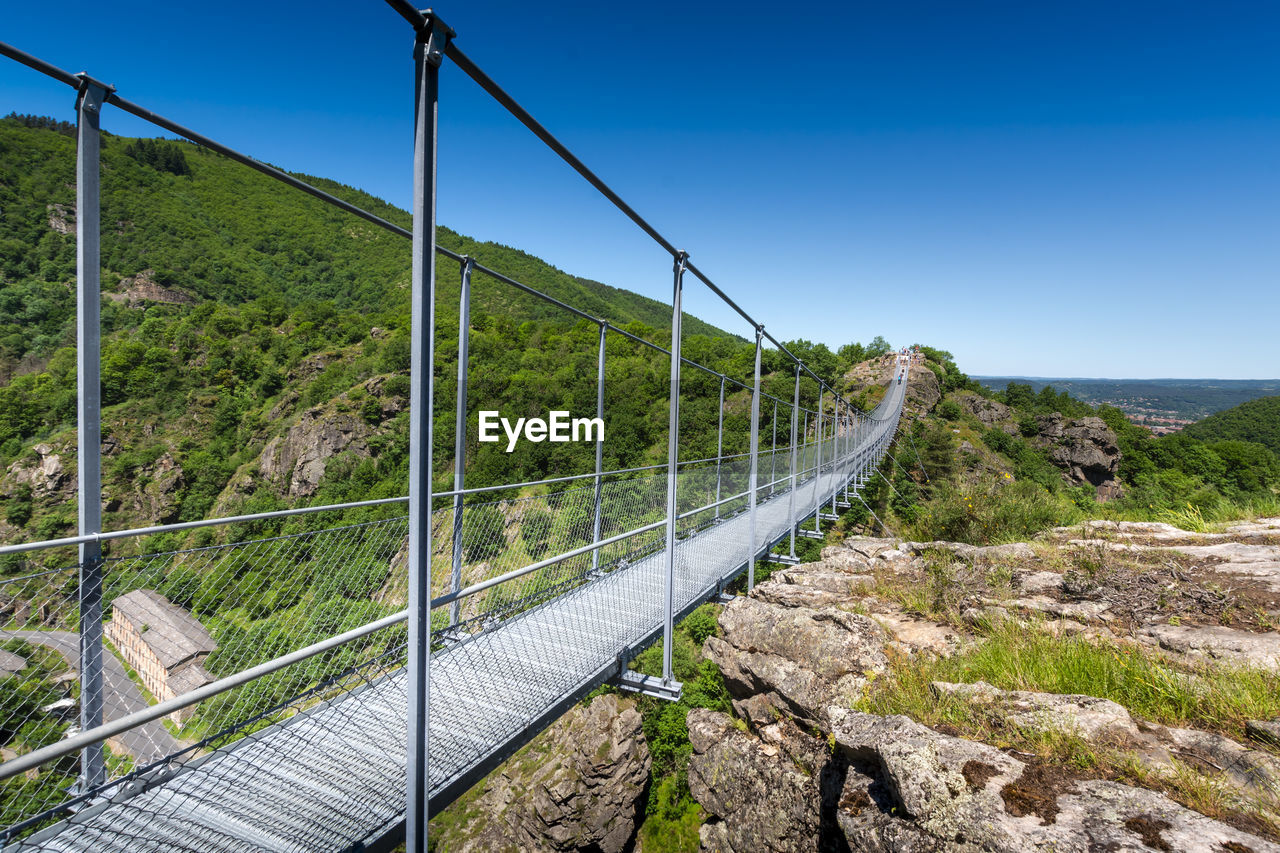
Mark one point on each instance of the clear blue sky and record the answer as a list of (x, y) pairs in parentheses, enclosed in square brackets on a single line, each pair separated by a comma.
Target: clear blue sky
[(1085, 189)]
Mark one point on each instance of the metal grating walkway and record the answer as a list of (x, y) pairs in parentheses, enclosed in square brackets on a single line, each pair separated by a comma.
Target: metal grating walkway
[(333, 777)]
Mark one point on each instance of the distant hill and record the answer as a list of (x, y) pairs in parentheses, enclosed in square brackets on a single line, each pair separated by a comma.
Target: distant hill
[(1174, 399), (1256, 420), (183, 225), (243, 319)]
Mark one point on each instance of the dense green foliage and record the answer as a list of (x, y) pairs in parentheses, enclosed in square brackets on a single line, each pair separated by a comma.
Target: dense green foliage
[(672, 816), (1257, 421), (24, 727), (1177, 470), (212, 229)]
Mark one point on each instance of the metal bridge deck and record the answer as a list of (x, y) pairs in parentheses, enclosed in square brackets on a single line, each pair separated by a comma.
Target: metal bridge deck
[(333, 777)]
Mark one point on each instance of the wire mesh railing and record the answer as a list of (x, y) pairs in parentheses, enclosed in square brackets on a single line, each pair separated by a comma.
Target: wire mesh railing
[(280, 691)]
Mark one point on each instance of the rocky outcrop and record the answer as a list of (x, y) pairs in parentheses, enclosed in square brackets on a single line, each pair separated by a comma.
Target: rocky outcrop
[(992, 414), (578, 786), (777, 658), (1217, 642), (917, 789), (1263, 530), (45, 474), (389, 404), (295, 462), (791, 773), (1106, 723), (153, 492), (924, 391), (140, 288), (62, 218), (1086, 450), (891, 784), (766, 792)]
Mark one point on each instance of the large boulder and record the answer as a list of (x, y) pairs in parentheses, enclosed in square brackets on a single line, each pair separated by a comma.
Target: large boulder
[(1084, 448), (45, 473), (795, 660), (992, 414), (578, 786)]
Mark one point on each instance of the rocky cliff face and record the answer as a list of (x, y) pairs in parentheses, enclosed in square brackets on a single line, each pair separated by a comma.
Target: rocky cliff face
[(141, 288), (799, 769), (295, 462), (1086, 450), (294, 459), (992, 414), (923, 389), (578, 786), (44, 473)]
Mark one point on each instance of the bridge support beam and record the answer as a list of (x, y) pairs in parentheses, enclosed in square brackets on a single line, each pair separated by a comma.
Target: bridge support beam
[(599, 496), (649, 685), (460, 431), (773, 451), (753, 480), (719, 443), (673, 467), (791, 515), (817, 465), (93, 769), (428, 55)]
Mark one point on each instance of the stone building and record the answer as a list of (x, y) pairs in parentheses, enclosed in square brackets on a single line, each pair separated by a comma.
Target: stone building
[(164, 643)]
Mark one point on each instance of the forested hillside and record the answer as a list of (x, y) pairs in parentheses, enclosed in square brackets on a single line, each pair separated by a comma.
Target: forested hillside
[(256, 343), (1257, 421)]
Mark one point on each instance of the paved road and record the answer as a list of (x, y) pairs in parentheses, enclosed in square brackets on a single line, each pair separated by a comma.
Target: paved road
[(145, 743)]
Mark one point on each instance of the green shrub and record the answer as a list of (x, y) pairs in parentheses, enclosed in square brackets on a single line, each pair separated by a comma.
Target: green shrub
[(535, 529), (949, 410), (482, 538), (700, 624)]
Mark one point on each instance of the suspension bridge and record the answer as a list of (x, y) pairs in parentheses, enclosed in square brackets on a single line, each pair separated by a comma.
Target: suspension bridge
[(351, 740)]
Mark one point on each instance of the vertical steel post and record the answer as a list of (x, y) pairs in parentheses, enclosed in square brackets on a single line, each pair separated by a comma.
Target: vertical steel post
[(837, 453), (852, 449), (817, 465), (673, 460), (719, 443), (428, 54), (791, 511), (773, 451), (753, 480), (460, 430), (93, 769), (595, 524), (804, 444)]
